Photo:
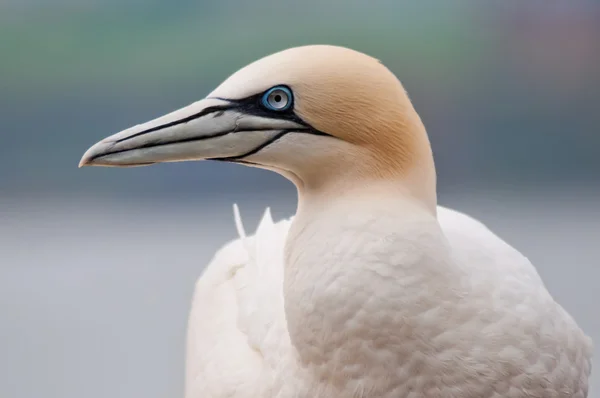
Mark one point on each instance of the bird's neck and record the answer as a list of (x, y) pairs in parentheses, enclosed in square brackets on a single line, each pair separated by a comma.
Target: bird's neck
[(352, 262)]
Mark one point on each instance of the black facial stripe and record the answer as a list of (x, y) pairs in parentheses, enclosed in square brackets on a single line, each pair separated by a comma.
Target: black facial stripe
[(265, 144), (255, 150), (203, 112), (235, 161), (252, 106)]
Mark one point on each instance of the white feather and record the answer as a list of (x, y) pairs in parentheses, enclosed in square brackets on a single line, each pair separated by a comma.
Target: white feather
[(239, 344)]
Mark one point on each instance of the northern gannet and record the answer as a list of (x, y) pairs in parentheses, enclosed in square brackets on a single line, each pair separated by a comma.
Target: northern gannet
[(371, 290)]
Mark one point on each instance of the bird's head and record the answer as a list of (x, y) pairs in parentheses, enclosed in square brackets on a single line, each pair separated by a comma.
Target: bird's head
[(319, 115)]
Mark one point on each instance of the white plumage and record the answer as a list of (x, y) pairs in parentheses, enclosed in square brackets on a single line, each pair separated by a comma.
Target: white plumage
[(372, 290), (238, 344)]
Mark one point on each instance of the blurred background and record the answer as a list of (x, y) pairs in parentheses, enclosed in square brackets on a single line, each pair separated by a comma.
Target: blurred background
[(97, 266)]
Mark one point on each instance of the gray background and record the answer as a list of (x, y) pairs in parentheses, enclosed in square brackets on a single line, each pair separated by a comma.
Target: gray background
[(97, 266)]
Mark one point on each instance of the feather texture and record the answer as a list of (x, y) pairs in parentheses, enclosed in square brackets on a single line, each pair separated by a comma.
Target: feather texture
[(239, 345)]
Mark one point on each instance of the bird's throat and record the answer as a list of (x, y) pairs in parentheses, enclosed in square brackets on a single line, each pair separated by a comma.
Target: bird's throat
[(344, 259)]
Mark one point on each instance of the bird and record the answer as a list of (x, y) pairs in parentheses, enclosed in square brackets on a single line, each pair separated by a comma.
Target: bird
[(371, 289)]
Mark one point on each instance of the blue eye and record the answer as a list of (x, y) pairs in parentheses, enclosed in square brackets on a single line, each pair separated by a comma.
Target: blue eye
[(278, 98)]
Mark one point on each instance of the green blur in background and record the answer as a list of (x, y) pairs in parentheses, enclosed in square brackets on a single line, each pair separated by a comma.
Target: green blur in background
[(97, 265), (509, 93)]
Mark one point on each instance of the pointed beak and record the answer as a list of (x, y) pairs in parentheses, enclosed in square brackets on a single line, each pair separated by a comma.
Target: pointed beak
[(208, 129)]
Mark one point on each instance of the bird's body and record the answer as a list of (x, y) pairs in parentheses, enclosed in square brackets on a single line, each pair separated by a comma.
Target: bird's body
[(488, 328), (372, 290)]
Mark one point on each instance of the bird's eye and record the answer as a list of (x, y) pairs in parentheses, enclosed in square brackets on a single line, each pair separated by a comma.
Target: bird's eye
[(277, 98)]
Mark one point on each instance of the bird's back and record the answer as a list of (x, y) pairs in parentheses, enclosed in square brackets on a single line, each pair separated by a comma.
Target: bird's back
[(509, 333), (532, 341)]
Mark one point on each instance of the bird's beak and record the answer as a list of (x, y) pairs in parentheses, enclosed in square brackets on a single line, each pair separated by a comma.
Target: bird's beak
[(208, 129)]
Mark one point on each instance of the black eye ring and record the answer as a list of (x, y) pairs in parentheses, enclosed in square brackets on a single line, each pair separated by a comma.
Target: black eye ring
[(278, 98)]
